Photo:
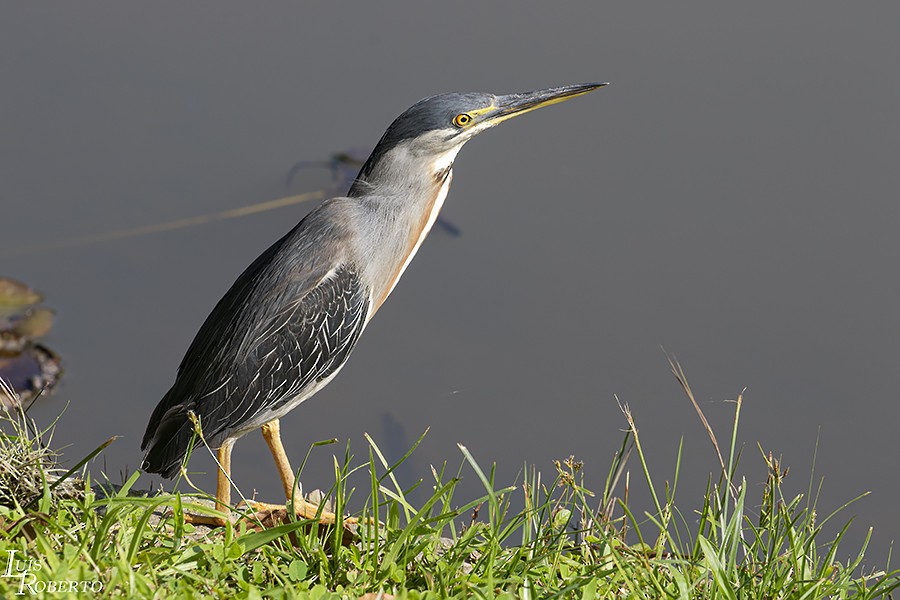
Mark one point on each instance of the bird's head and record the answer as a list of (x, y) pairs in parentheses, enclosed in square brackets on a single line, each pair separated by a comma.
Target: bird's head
[(434, 129)]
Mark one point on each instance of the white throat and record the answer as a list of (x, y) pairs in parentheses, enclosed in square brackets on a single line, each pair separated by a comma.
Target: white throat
[(444, 160), (441, 167)]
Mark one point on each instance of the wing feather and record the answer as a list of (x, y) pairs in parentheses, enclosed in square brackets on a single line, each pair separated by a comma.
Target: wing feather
[(272, 337)]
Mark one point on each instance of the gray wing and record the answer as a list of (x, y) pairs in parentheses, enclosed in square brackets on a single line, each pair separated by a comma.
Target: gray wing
[(269, 339), (302, 345)]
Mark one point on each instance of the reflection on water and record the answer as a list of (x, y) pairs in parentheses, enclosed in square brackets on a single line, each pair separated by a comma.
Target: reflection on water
[(28, 369)]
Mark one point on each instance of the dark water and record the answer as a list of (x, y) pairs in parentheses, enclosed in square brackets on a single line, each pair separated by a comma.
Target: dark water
[(731, 197)]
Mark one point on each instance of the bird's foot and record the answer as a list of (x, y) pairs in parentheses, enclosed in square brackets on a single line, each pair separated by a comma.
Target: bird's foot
[(267, 516), (206, 520), (303, 509)]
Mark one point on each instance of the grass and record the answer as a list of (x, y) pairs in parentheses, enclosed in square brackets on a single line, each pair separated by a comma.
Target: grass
[(555, 537)]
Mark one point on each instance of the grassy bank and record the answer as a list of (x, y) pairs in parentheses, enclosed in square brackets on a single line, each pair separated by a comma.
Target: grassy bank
[(575, 537)]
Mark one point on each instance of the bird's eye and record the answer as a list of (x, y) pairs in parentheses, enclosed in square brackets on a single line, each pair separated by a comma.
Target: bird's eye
[(462, 120)]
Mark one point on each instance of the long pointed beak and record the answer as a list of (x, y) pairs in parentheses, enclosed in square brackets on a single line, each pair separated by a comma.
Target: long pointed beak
[(513, 105)]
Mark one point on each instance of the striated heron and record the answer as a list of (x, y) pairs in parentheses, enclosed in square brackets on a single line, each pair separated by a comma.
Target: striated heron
[(289, 322)]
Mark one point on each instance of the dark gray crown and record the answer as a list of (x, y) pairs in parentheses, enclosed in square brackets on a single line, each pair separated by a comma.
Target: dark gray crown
[(428, 114)]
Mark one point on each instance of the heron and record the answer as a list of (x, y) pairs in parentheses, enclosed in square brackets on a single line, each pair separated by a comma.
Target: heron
[(288, 324)]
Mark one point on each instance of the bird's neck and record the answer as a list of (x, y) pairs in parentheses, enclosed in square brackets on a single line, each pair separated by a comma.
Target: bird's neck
[(401, 171), (404, 197)]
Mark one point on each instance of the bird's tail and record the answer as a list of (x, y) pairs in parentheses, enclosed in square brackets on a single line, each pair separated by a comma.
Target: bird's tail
[(166, 451), (167, 438)]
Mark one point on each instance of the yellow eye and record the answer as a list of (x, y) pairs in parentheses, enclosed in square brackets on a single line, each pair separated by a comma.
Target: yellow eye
[(462, 120)]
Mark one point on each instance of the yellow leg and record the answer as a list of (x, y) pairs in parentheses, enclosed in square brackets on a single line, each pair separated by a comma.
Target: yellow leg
[(272, 433), (223, 489), (268, 513), (223, 483)]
